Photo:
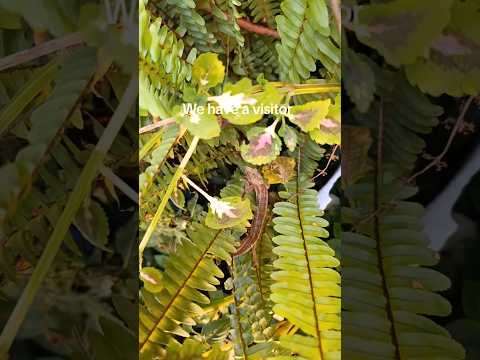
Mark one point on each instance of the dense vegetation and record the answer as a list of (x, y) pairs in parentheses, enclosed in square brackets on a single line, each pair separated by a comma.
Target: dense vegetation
[(280, 298), (68, 130), (409, 71), (237, 259)]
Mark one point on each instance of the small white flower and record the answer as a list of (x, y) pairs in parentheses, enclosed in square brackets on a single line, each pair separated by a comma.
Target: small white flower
[(229, 103), (194, 117), (221, 207)]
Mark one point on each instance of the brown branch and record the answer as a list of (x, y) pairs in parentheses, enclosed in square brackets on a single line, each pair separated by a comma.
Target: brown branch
[(246, 24), (156, 125), (258, 29), (454, 132), (330, 159), (70, 40)]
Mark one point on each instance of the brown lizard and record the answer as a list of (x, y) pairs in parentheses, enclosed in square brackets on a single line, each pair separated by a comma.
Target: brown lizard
[(255, 181)]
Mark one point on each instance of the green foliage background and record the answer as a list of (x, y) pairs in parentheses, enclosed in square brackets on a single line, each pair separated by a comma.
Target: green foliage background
[(68, 145), (404, 62), (281, 299)]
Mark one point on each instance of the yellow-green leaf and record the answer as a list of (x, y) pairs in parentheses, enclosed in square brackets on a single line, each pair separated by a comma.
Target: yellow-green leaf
[(208, 71), (279, 171), (152, 279), (309, 116)]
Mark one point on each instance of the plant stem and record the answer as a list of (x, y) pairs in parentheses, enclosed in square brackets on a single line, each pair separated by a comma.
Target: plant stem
[(151, 227), (454, 132), (70, 40), (198, 188), (302, 89), (79, 193), (23, 98), (156, 125), (119, 183), (257, 29), (337, 14)]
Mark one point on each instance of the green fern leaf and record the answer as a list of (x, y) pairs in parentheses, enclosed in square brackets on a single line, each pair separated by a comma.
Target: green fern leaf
[(163, 315), (306, 288), (47, 120), (264, 10), (305, 37), (387, 290)]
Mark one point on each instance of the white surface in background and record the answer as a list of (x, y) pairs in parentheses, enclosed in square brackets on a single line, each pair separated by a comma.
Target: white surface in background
[(324, 198), (438, 220)]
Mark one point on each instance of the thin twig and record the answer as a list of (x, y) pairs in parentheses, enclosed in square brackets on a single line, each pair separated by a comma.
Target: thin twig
[(454, 132), (21, 57), (156, 125), (119, 183), (335, 6), (257, 29), (330, 158)]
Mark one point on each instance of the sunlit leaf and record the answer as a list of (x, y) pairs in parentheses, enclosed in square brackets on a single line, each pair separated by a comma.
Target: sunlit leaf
[(152, 279), (289, 135), (208, 71), (279, 171), (328, 130), (310, 115), (264, 146), (240, 106), (201, 123)]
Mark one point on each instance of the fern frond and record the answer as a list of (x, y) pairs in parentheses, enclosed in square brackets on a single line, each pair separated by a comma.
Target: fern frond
[(46, 122), (388, 290), (252, 310), (192, 349), (306, 288), (40, 208), (191, 24), (305, 38), (259, 57), (225, 14), (161, 55), (307, 153), (408, 114), (158, 156), (163, 315), (263, 10), (266, 257)]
